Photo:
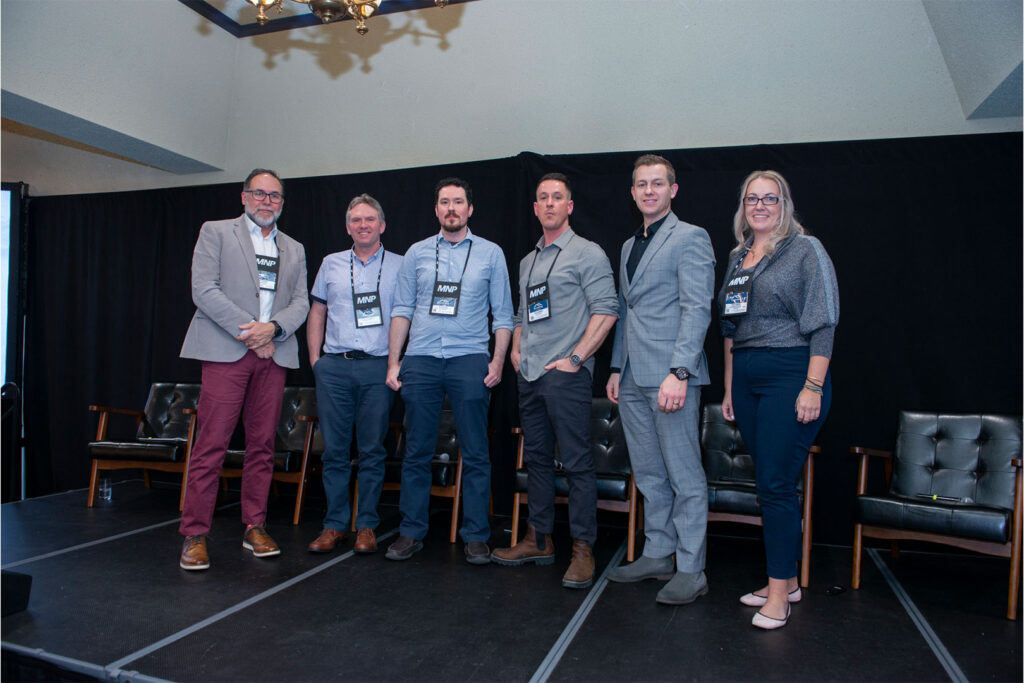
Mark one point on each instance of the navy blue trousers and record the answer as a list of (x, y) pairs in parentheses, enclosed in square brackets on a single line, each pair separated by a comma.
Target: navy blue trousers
[(425, 380), (350, 391), (765, 385)]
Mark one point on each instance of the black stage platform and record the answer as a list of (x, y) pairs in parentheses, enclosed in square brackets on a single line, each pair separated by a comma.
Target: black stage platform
[(108, 601)]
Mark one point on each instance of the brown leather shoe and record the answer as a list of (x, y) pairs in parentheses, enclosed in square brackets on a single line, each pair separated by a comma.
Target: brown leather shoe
[(259, 542), (193, 554), (366, 542), (326, 541), (581, 570), (531, 549)]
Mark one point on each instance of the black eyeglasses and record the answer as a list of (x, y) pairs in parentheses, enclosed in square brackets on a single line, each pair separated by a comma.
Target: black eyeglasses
[(260, 195), (767, 200)]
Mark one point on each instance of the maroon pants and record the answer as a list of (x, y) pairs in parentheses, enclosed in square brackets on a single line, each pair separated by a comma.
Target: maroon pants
[(253, 387)]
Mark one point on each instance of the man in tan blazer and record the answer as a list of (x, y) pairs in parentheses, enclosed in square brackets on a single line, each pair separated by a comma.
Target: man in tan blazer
[(249, 287)]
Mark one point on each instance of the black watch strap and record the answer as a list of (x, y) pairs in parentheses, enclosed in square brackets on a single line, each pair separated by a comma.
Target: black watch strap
[(680, 373), (278, 330)]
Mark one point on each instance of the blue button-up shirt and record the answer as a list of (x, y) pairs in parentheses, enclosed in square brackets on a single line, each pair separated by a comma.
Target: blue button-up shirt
[(333, 288), (485, 287)]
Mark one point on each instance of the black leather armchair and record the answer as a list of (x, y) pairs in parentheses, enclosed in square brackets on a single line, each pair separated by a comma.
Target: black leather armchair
[(952, 479), (163, 439), (297, 439), (732, 488), (616, 489)]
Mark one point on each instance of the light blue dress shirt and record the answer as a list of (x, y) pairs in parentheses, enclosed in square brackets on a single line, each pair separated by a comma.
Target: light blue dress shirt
[(485, 286), (333, 287)]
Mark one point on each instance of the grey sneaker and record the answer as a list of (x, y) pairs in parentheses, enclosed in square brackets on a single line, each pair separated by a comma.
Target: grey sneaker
[(683, 589), (645, 568), (477, 552), (404, 548)]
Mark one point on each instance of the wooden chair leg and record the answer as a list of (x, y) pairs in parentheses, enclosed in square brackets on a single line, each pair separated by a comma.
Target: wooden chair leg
[(631, 533), (515, 518), (146, 480), (91, 500), (1015, 547), (858, 541), (300, 498), (455, 502)]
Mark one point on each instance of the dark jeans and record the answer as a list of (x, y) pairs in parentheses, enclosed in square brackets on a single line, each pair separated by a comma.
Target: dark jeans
[(425, 380), (556, 407), (347, 391), (765, 385)]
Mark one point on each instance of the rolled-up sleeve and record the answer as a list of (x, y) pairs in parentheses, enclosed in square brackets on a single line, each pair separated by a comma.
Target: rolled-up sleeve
[(598, 283), (500, 293)]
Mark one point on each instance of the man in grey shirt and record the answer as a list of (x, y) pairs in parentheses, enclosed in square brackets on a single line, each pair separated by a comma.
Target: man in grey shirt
[(567, 306)]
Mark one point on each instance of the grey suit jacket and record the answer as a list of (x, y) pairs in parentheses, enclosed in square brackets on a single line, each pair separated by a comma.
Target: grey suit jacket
[(665, 311), (225, 289)]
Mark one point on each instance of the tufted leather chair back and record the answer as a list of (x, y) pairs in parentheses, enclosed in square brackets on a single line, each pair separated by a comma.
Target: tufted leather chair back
[(607, 442), (966, 457), (725, 456), (165, 411), (291, 433)]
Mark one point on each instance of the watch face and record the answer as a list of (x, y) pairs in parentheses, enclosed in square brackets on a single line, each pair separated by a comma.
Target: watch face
[(575, 360)]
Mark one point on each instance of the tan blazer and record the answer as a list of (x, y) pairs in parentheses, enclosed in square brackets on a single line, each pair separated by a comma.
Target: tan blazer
[(225, 289)]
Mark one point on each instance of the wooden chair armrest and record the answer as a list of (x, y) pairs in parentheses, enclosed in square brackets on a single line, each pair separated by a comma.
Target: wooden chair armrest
[(119, 411), (517, 430), (861, 450), (308, 418), (815, 450), (1017, 462), (190, 411), (105, 412)]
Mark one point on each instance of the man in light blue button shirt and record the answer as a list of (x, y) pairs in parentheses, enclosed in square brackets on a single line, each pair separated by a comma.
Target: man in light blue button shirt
[(446, 286), (353, 294)]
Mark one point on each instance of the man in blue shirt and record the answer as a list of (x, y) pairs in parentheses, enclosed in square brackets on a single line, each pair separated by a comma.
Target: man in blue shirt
[(446, 286), (353, 294)]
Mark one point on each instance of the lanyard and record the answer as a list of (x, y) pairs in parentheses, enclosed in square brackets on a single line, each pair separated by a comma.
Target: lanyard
[(351, 268), (437, 258)]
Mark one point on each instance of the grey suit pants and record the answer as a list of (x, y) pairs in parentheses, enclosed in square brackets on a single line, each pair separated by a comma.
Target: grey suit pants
[(664, 450)]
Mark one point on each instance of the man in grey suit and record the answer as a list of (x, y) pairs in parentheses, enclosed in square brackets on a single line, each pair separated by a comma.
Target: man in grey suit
[(249, 287), (666, 284)]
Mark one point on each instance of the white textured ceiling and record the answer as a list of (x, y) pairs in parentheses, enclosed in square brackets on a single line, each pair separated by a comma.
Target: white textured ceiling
[(105, 95)]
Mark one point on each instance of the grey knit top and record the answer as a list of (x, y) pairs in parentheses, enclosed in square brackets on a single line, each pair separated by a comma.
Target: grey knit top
[(794, 299)]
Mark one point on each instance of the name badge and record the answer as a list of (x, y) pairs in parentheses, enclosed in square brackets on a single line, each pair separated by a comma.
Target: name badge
[(737, 296), (366, 306), (446, 298), (538, 303), (267, 267)]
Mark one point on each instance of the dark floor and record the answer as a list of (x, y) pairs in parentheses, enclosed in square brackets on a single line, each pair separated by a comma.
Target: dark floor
[(109, 601)]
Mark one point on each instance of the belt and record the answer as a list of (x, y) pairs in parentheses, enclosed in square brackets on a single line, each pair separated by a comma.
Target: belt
[(356, 355)]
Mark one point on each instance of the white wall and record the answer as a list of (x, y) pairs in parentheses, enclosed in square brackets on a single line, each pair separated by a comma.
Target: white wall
[(552, 77)]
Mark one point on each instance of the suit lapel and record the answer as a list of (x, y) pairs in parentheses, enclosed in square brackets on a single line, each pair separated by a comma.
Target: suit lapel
[(245, 242), (657, 242)]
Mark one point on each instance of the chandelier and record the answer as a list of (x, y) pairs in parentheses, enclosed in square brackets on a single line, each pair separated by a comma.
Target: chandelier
[(330, 10)]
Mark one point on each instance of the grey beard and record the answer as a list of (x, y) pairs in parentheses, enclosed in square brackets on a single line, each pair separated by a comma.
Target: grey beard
[(262, 222)]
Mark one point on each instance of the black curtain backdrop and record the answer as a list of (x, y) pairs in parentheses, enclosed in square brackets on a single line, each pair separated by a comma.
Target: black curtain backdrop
[(925, 234)]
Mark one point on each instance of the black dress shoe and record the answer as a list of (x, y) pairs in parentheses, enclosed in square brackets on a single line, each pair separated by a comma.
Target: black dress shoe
[(477, 552), (404, 548)]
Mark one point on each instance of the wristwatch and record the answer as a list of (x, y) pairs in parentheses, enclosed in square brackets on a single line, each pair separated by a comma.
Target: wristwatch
[(575, 360), (278, 330), (680, 373)]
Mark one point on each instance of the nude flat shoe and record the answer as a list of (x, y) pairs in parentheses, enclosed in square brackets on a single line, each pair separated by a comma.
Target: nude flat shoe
[(769, 623), (751, 600)]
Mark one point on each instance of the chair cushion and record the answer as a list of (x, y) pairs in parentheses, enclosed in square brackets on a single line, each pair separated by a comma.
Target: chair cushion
[(950, 519), (284, 461), (967, 457), (738, 498), (609, 486), (149, 450)]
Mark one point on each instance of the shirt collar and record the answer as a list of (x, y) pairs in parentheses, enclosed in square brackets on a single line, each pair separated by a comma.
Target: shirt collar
[(652, 229), (257, 231), (562, 240), (468, 237), (380, 250)]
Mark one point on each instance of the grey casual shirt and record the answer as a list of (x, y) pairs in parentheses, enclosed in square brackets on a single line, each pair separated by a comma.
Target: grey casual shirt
[(580, 285), (794, 299)]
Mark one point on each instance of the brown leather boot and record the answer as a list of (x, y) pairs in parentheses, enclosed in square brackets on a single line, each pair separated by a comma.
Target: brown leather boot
[(580, 573), (531, 549)]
